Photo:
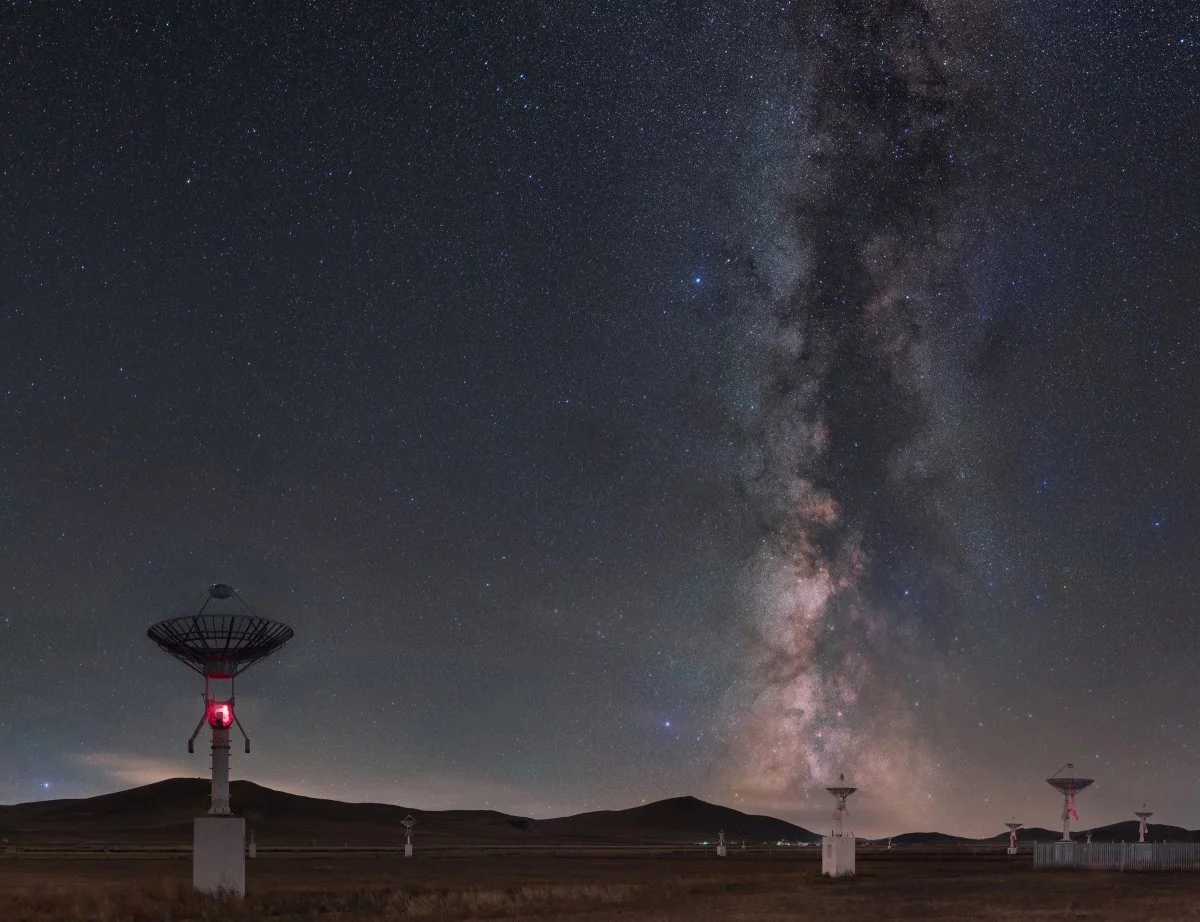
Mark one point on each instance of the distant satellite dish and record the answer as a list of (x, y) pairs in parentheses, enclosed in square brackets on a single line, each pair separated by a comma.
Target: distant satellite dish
[(837, 849), (1013, 826), (1143, 826), (408, 823), (840, 792)]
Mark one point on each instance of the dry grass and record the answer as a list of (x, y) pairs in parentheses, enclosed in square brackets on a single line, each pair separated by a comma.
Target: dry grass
[(514, 901), (633, 889), (176, 901)]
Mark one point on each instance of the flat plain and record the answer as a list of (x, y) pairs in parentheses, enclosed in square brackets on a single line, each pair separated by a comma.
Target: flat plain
[(586, 885)]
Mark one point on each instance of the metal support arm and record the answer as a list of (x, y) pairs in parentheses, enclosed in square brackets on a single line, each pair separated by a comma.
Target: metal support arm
[(196, 732), (245, 736)]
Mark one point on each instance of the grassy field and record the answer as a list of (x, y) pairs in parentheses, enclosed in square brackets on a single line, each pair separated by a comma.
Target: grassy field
[(589, 885)]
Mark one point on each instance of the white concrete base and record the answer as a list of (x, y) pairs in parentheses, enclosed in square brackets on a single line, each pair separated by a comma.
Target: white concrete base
[(219, 855), (407, 849), (252, 849), (837, 856), (720, 851), (1064, 853)]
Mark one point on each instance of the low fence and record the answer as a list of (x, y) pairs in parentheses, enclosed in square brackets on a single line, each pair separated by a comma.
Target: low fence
[(1118, 856)]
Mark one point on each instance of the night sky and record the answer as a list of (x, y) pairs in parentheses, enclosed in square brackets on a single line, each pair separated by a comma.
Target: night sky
[(620, 400)]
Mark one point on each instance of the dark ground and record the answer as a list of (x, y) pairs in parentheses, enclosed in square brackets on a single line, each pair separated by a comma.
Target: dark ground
[(586, 885)]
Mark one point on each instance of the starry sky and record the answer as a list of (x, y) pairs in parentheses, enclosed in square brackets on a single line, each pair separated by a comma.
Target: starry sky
[(620, 400)]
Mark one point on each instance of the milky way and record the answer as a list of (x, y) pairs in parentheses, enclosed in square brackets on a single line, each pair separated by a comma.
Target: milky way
[(865, 327)]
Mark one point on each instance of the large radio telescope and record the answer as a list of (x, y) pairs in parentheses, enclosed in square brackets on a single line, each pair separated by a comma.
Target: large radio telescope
[(1013, 826), (221, 641), (1068, 785)]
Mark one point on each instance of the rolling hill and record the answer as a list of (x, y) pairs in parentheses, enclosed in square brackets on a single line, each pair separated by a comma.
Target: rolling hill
[(161, 814), (677, 819)]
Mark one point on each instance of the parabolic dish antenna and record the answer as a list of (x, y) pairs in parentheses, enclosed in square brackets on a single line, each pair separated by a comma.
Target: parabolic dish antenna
[(1068, 785), (408, 823), (1013, 826), (840, 792), (1143, 815), (842, 789), (217, 642)]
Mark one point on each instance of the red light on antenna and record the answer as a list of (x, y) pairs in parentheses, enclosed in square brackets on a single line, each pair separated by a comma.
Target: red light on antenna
[(220, 714)]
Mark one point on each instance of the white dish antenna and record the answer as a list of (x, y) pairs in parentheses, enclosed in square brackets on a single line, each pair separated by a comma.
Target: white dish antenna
[(840, 792), (1143, 826), (408, 823), (1068, 784)]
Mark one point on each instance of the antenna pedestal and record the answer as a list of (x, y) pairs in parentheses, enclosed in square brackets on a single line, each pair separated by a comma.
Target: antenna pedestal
[(219, 855), (837, 855), (219, 839), (220, 772)]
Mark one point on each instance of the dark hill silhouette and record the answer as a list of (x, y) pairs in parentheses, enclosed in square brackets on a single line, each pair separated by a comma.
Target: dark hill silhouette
[(1116, 832), (1127, 831), (1030, 834), (678, 819), (162, 813), (927, 838)]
